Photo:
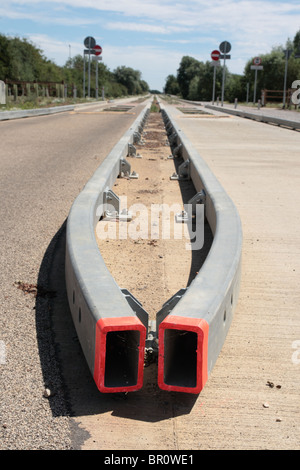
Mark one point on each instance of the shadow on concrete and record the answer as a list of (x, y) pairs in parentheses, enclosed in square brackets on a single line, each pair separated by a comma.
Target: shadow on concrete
[(64, 367)]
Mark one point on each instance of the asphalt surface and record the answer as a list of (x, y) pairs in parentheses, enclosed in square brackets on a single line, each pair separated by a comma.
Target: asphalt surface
[(44, 164)]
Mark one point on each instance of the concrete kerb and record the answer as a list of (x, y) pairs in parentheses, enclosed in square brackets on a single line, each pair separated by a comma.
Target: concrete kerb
[(111, 334), (204, 313), (261, 117), (19, 114)]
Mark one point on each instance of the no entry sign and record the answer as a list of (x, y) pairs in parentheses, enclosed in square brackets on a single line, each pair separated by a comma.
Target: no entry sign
[(215, 55), (98, 50)]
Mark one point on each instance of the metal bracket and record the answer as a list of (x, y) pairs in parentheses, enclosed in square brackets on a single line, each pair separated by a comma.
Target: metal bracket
[(199, 198), (111, 204), (132, 151), (125, 169), (172, 138), (183, 172), (168, 306), (136, 307), (178, 150), (111, 199), (151, 344), (136, 137), (182, 217)]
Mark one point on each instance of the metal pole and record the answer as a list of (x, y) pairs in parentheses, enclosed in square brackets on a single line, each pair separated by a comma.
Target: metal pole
[(254, 94), (285, 76), (223, 81), (96, 58), (89, 74), (214, 85), (83, 94)]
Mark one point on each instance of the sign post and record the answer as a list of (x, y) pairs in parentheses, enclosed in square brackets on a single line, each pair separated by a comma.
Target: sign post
[(89, 43), (256, 66), (91, 49), (287, 54), (224, 47), (98, 52), (215, 55)]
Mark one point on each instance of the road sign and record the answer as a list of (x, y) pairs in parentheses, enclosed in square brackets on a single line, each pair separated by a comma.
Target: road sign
[(225, 56), (256, 67), (215, 63), (89, 42), (257, 61), (98, 50), (215, 55), (225, 47)]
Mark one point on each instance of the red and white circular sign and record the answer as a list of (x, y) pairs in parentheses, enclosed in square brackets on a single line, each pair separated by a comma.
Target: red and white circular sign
[(215, 55), (257, 61), (98, 50)]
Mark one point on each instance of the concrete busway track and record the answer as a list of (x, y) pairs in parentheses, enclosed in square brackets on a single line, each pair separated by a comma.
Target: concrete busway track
[(207, 307), (192, 331), (258, 368), (250, 400), (242, 405), (45, 162), (289, 119)]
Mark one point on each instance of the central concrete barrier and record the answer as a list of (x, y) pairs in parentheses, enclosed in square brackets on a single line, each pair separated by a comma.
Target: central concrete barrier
[(112, 334), (193, 330), (111, 324)]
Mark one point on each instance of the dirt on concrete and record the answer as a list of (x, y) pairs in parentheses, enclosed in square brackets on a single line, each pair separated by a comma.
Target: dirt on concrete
[(150, 255)]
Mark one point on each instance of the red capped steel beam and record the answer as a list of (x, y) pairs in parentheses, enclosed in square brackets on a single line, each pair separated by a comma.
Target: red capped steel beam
[(119, 354), (182, 358)]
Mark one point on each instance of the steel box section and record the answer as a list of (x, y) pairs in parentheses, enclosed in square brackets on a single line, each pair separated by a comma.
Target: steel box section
[(207, 306), (98, 307)]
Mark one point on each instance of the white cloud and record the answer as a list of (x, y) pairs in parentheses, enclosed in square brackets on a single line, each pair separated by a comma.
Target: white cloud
[(142, 27), (154, 62), (175, 28)]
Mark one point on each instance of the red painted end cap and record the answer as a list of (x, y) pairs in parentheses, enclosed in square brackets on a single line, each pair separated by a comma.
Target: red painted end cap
[(119, 354), (182, 362)]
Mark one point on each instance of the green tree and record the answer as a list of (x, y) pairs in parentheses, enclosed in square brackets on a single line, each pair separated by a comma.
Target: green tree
[(296, 42), (188, 69), (272, 75), (171, 85), (20, 60), (130, 78)]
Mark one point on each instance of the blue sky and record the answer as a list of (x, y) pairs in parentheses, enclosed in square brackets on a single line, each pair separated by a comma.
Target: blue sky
[(152, 35)]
